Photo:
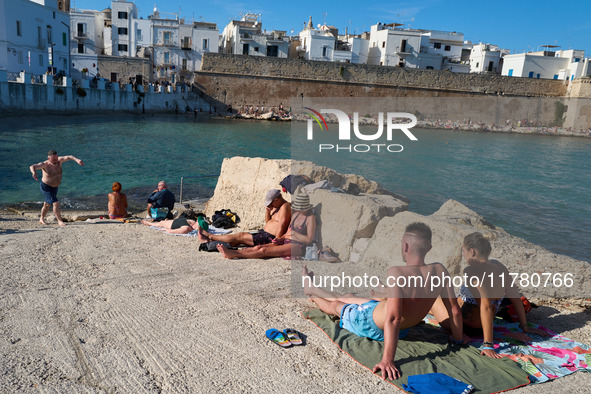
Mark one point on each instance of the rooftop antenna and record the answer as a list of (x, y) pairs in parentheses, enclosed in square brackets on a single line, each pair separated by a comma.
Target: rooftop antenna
[(324, 17)]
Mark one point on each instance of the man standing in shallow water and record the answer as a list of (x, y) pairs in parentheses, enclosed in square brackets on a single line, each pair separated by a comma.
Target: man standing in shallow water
[(52, 177)]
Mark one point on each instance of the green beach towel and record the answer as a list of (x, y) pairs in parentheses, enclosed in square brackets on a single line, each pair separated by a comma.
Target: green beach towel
[(426, 350)]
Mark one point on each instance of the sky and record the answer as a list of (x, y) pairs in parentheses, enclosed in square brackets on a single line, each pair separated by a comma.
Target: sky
[(517, 25)]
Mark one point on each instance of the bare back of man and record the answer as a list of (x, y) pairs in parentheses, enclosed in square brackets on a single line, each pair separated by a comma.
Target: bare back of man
[(408, 298)]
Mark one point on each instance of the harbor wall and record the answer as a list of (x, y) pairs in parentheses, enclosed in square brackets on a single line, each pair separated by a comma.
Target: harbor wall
[(243, 80), (22, 95)]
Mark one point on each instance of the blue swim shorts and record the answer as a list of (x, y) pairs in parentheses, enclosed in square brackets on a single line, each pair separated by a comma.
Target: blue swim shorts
[(359, 320), (49, 193)]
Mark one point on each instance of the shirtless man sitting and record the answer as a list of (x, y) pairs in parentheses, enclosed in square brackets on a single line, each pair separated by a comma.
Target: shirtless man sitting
[(277, 219), (404, 307), (52, 177)]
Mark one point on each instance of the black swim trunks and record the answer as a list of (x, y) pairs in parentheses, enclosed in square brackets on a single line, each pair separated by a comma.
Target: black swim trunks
[(262, 238), (49, 192)]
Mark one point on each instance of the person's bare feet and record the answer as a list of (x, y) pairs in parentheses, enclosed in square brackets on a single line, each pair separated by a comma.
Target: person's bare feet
[(227, 253), (61, 223), (43, 222), (201, 235), (146, 223), (308, 284)]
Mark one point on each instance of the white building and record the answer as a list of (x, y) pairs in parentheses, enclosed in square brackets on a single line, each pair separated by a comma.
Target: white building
[(563, 65), (325, 44), (178, 47), (86, 41), (486, 58), (414, 48), (34, 35), (246, 37)]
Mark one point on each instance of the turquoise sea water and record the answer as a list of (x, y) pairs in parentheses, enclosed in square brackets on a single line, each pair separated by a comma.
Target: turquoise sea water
[(535, 187)]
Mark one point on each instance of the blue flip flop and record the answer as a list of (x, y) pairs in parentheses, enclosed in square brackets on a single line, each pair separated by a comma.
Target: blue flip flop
[(293, 336), (277, 337)]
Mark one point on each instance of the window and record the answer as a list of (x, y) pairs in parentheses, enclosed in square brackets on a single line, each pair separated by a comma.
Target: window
[(184, 65), (80, 30), (447, 48), (383, 44), (245, 49), (20, 57), (531, 74), (324, 50), (186, 43), (41, 60), (122, 47), (80, 47), (49, 39), (166, 57), (429, 67), (18, 29), (122, 31), (40, 37), (53, 14), (510, 72), (273, 51), (205, 43), (256, 49), (437, 45), (403, 46), (166, 37), (139, 34), (122, 15), (64, 39), (555, 76), (538, 76), (477, 64)]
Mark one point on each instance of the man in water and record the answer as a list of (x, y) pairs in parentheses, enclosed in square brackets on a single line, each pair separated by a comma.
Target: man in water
[(277, 219), (52, 177), (161, 198), (388, 319)]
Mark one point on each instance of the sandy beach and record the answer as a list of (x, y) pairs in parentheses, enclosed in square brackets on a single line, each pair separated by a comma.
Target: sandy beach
[(113, 307)]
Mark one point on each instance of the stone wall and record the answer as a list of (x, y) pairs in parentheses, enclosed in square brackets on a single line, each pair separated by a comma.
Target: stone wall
[(241, 80), (379, 76), (127, 67)]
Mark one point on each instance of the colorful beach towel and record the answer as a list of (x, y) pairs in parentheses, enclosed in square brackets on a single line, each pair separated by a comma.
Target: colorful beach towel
[(426, 350), (542, 358)]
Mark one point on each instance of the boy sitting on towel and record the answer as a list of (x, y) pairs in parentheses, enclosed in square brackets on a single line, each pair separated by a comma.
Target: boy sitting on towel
[(404, 307)]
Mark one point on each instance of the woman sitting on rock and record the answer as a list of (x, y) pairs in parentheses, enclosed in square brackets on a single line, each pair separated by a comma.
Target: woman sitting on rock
[(300, 233), (480, 304)]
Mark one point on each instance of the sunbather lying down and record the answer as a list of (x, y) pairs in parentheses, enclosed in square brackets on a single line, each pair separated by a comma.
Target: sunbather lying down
[(177, 226), (300, 233)]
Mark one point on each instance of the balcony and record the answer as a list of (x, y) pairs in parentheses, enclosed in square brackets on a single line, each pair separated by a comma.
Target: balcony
[(79, 35), (403, 52)]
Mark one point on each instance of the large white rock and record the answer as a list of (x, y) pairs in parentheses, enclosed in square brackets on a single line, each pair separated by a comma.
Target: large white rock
[(244, 181), (450, 224)]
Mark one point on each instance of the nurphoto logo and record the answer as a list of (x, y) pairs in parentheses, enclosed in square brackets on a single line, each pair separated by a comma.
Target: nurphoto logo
[(394, 121)]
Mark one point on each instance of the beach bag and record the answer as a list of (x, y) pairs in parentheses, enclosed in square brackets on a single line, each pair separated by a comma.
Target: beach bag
[(211, 246), (507, 311), (225, 219), (291, 182), (159, 213)]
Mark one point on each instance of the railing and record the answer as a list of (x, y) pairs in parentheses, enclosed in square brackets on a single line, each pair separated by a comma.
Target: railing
[(38, 79), (13, 76), (192, 176)]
